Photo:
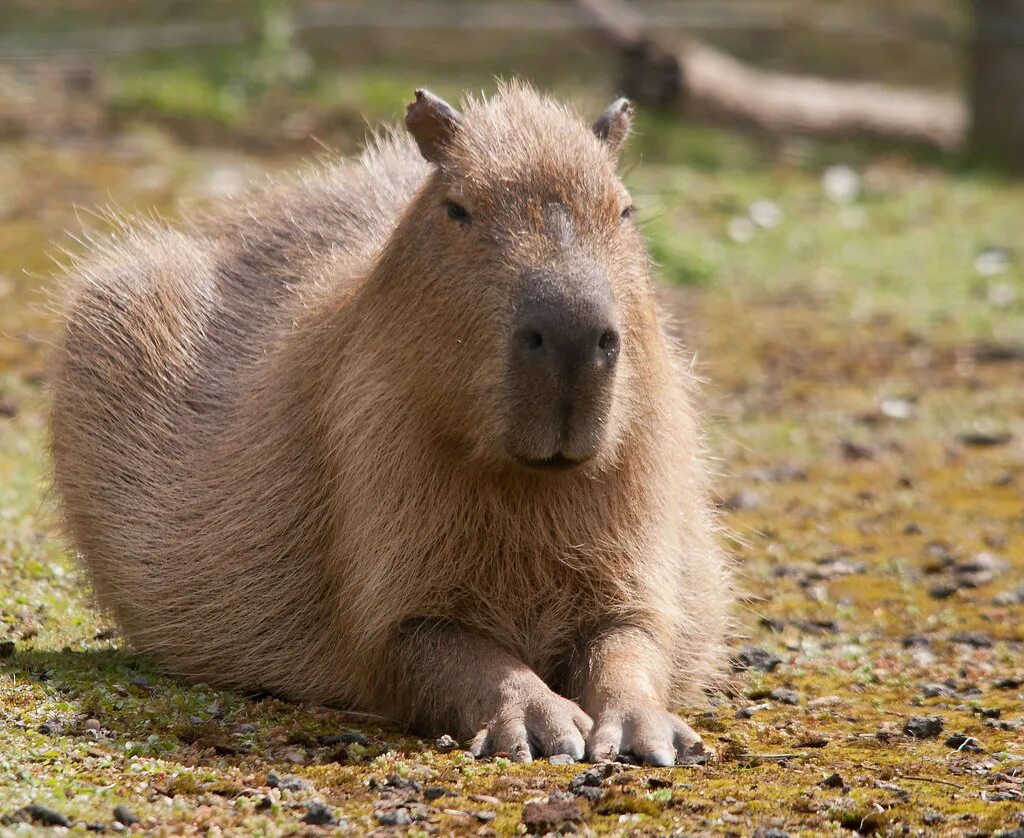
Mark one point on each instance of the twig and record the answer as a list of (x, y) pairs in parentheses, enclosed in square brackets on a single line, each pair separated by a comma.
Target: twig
[(930, 780)]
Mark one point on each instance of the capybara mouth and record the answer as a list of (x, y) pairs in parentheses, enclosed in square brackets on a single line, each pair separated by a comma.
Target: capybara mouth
[(557, 462)]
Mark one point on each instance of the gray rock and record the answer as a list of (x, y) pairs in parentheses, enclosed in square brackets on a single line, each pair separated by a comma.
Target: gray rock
[(963, 742), (122, 814), (393, 817), (924, 727), (317, 814), (756, 658), (286, 782)]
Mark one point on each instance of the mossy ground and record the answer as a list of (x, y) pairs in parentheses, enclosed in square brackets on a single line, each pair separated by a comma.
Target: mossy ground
[(870, 444)]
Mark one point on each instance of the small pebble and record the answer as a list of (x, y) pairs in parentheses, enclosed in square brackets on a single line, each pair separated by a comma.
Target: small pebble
[(1005, 724), (553, 814), (784, 696), (812, 739), (317, 814), (749, 711), (286, 782), (345, 737), (397, 781), (962, 742), (592, 777), (46, 816), (434, 792), (1015, 597), (898, 409), (393, 817), (887, 731), (841, 184), (765, 213), (743, 500), (992, 261), (591, 793), (740, 229), (972, 638), (122, 814), (561, 759), (923, 727), (756, 658), (446, 743), (983, 439), (833, 781)]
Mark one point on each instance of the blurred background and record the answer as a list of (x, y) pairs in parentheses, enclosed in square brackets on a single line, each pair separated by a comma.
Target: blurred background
[(751, 112)]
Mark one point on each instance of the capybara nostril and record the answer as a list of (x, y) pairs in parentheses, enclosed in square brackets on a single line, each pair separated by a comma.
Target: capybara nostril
[(531, 341), (609, 344)]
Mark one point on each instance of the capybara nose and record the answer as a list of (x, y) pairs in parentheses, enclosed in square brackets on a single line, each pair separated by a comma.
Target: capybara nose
[(569, 340)]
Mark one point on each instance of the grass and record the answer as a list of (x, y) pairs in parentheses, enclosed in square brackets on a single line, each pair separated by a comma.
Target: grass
[(842, 349)]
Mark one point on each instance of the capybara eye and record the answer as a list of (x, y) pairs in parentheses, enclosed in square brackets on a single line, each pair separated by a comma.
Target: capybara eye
[(627, 213), (457, 212)]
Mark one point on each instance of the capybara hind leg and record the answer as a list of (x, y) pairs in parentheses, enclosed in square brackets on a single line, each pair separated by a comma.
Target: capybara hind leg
[(624, 689), (452, 680)]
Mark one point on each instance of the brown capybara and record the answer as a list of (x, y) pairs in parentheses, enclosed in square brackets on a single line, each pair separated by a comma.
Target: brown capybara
[(406, 435)]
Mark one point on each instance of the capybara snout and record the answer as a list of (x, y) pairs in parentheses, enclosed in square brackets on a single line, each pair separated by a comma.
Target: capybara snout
[(562, 359)]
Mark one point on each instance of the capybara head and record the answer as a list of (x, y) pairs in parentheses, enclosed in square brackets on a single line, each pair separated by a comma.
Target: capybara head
[(531, 261)]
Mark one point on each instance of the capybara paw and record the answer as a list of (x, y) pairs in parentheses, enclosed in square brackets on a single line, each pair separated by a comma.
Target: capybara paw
[(648, 734), (542, 724)]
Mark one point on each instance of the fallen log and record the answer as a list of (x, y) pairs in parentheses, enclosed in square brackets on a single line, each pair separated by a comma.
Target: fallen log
[(703, 82)]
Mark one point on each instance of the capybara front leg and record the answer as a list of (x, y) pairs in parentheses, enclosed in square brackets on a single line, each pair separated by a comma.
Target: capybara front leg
[(451, 680), (624, 690)]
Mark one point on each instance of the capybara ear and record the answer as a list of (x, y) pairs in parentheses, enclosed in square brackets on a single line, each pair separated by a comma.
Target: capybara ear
[(433, 123), (613, 125)]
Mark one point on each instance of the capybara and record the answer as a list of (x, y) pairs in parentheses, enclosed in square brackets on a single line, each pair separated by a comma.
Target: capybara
[(406, 435)]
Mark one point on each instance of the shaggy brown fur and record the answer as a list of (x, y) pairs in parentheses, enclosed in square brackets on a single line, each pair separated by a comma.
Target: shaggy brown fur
[(278, 438)]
